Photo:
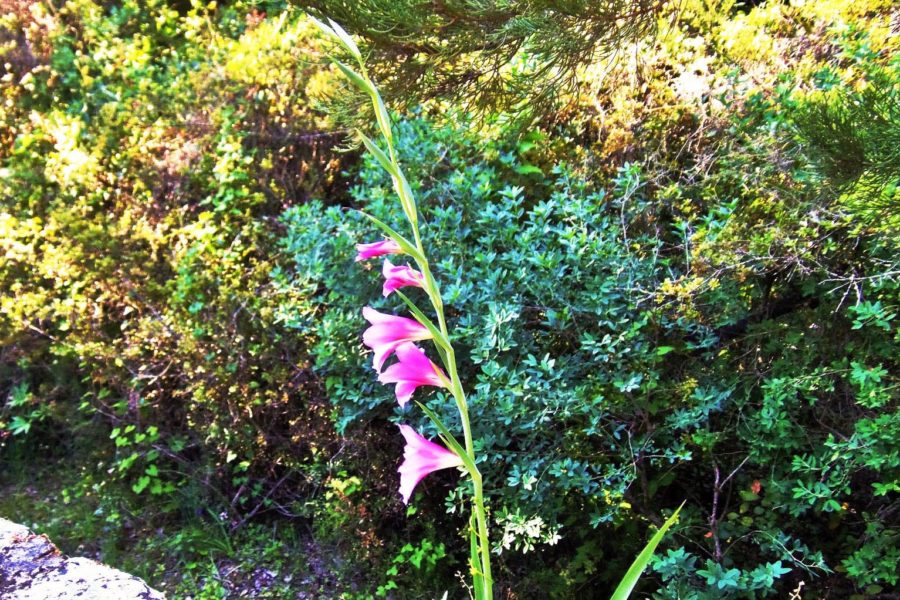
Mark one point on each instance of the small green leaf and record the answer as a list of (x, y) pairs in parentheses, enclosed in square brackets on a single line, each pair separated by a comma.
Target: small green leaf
[(883, 489), (345, 38), (19, 395), (19, 426), (527, 169), (377, 153), (141, 484), (354, 77)]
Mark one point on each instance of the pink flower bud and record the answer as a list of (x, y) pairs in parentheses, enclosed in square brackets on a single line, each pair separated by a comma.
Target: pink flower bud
[(366, 251), (398, 276)]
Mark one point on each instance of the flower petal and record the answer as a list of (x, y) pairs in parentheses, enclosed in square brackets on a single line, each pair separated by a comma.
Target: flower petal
[(412, 370), (398, 276), (389, 331), (421, 457)]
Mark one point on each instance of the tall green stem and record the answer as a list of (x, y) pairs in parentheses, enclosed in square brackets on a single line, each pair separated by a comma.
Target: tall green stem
[(459, 396), (456, 388), (407, 201)]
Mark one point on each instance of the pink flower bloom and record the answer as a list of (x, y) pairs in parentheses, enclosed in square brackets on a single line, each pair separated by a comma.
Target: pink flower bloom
[(374, 249), (396, 277), (387, 332), (413, 370), (421, 457)]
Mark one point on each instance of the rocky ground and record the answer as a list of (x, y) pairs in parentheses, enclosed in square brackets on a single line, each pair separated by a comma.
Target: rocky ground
[(32, 568)]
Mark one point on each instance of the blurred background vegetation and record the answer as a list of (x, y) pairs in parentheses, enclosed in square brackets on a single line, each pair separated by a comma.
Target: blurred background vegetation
[(669, 238)]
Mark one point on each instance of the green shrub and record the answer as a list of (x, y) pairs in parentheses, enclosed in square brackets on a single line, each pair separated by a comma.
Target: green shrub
[(139, 189), (599, 399)]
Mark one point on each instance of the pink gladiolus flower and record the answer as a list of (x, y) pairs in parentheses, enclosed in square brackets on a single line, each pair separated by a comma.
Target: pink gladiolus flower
[(396, 277), (387, 332), (366, 251), (413, 370), (421, 457)]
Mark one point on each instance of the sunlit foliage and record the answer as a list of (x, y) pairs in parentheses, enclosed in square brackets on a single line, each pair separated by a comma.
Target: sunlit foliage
[(675, 270)]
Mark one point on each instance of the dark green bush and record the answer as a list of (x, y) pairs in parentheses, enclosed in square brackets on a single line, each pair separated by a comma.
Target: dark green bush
[(599, 400)]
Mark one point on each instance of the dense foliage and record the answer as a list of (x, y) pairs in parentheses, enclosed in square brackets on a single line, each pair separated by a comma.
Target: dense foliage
[(490, 53), (680, 284)]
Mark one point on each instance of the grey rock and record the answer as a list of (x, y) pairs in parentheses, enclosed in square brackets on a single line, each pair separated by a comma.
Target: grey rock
[(32, 568)]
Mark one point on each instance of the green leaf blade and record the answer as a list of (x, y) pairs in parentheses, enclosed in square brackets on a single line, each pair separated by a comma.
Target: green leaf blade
[(626, 586)]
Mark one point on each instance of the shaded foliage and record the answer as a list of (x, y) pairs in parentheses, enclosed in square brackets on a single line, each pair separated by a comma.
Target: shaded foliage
[(488, 55)]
